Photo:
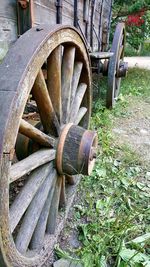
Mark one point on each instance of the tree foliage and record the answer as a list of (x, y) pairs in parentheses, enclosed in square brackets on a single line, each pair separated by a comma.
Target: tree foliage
[(136, 15)]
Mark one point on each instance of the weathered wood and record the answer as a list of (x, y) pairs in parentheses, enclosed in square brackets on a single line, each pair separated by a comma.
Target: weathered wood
[(54, 79), (70, 156), (51, 222), (39, 233), (33, 213), (45, 107), (67, 73), (82, 111), (75, 79), (78, 151), (35, 134), (121, 51), (77, 101), (30, 163), (27, 193), (62, 200), (101, 55)]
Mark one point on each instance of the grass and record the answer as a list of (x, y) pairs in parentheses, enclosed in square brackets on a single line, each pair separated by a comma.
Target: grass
[(130, 51), (113, 213)]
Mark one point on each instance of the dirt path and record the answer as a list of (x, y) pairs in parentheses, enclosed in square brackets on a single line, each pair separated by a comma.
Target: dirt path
[(133, 129), (140, 62)]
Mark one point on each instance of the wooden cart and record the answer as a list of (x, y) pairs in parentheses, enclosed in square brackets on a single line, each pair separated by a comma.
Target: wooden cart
[(45, 105)]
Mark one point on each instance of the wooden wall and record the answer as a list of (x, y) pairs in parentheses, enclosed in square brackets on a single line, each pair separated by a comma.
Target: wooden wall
[(45, 11), (8, 25)]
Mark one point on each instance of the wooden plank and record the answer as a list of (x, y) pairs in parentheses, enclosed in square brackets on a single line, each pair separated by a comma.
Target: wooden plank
[(45, 107), (35, 134), (51, 222), (44, 12), (68, 12), (62, 200), (30, 163), (80, 115), (77, 101), (54, 79), (75, 79), (101, 55), (67, 73), (39, 233), (33, 213), (27, 193)]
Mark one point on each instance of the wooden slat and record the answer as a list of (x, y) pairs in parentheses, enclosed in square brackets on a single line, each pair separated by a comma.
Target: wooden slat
[(30, 163), (54, 79), (77, 101), (39, 233), (51, 222), (67, 73), (62, 200), (101, 55), (27, 193), (35, 134), (45, 107), (75, 79), (121, 50), (33, 213), (80, 115)]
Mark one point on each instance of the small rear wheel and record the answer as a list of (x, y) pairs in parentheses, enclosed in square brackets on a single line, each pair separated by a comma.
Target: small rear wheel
[(115, 64)]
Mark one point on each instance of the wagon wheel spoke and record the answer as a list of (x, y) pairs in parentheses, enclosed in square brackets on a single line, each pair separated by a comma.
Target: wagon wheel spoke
[(121, 51), (39, 232), (44, 104), (76, 77), (35, 134), (26, 195), (51, 222), (62, 200), (77, 101), (66, 80), (81, 113), (33, 213), (54, 79), (30, 163)]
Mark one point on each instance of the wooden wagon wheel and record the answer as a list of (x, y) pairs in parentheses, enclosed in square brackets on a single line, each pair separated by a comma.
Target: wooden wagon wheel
[(114, 65), (53, 66)]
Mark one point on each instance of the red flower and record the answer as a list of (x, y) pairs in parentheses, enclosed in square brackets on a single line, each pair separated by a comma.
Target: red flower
[(136, 19)]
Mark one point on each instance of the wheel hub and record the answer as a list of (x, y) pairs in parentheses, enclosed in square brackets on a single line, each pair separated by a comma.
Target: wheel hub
[(122, 70), (76, 150)]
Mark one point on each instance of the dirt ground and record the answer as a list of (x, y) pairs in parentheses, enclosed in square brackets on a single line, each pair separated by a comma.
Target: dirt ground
[(139, 62), (134, 128)]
